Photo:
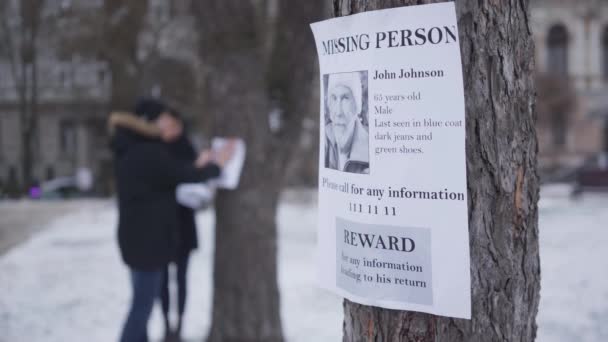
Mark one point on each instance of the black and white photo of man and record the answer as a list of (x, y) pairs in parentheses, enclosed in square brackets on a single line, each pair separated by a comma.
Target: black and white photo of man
[(346, 138)]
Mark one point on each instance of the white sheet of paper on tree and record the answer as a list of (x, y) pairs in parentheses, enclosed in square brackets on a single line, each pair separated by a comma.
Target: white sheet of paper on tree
[(231, 173), (393, 225), (200, 195)]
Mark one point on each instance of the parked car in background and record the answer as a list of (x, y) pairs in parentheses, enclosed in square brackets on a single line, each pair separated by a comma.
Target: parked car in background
[(593, 175), (63, 187)]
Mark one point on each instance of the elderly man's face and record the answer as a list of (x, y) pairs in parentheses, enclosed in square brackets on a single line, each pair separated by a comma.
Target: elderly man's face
[(343, 113)]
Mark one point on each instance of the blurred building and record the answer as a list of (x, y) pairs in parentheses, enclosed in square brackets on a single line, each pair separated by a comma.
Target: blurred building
[(571, 40), (74, 91), (72, 96)]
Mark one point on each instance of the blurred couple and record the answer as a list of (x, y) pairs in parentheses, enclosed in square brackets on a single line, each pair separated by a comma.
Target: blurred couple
[(152, 156)]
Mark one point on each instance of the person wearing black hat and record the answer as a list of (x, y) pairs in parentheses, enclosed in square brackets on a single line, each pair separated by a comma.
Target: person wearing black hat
[(147, 175)]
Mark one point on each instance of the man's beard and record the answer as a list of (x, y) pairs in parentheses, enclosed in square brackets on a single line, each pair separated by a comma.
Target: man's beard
[(344, 138)]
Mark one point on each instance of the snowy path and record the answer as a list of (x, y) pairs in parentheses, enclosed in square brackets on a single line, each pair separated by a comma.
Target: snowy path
[(68, 283), (21, 219)]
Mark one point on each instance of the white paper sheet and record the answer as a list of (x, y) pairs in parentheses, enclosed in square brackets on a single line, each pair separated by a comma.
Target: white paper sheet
[(231, 173), (393, 226), (200, 195)]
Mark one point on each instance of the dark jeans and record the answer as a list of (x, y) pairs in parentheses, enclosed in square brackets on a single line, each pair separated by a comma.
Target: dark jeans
[(146, 288), (181, 269)]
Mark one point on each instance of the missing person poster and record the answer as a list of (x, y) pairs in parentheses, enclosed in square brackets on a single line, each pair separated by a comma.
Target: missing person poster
[(393, 227)]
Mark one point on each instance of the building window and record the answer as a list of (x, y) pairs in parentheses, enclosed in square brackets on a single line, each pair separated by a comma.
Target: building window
[(557, 51), (62, 78), (50, 173), (605, 54), (11, 185), (560, 127), (605, 145), (67, 137), (1, 142), (12, 175)]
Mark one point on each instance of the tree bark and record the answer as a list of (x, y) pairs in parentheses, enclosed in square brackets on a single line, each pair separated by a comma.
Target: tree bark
[(246, 303), (497, 55), (250, 83)]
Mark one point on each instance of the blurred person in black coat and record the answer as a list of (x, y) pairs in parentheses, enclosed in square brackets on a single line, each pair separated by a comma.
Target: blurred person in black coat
[(183, 150), (147, 174)]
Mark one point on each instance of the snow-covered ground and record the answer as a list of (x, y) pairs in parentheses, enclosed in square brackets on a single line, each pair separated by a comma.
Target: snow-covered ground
[(574, 269), (67, 283)]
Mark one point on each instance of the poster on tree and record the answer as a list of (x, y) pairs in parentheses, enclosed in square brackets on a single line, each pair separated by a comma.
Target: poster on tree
[(393, 226)]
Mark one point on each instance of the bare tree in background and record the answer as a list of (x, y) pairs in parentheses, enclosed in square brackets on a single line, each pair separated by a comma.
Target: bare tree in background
[(20, 28), (131, 36), (121, 28), (108, 32), (259, 78), (497, 53), (111, 34)]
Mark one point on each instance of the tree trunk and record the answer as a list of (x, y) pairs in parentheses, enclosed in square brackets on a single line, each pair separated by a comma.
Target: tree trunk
[(124, 85), (250, 83), (30, 15), (24, 91), (26, 145), (34, 140), (246, 295), (28, 119), (21, 87), (497, 53), (122, 25)]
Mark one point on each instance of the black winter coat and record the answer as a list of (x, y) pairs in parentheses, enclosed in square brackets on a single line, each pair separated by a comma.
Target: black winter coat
[(147, 175), (183, 150)]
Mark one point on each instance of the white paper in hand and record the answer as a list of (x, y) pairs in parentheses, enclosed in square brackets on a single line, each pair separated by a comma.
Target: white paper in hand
[(231, 173), (195, 195)]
